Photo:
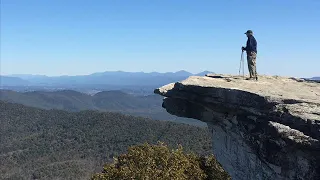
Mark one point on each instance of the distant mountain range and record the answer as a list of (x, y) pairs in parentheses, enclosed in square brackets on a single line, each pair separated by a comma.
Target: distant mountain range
[(12, 81), (114, 78), (315, 78), (111, 101)]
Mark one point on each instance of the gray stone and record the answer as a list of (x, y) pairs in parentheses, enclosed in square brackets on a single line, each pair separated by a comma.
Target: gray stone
[(266, 129)]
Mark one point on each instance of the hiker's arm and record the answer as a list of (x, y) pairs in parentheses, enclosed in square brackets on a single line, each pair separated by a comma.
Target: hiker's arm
[(247, 46)]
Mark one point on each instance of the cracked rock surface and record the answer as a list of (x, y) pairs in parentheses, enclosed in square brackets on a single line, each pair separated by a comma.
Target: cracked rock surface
[(266, 129)]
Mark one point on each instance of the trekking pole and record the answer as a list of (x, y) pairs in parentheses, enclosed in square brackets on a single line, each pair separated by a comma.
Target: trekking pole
[(240, 62)]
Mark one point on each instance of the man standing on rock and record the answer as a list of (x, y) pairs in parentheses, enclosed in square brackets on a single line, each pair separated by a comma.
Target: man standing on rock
[(251, 50)]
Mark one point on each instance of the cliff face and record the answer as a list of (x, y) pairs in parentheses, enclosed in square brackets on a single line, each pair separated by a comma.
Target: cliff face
[(268, 129)]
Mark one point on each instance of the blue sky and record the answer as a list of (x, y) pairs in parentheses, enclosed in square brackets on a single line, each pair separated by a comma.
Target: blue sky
[(71, 37)]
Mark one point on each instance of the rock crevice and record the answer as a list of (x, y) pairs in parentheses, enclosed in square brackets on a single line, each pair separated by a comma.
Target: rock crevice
[(268, 129)]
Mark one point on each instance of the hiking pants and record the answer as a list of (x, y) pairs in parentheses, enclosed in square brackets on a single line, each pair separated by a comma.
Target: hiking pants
[(251, 59)]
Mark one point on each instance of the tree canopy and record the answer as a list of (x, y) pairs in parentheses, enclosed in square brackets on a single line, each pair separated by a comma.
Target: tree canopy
[(158, 162)]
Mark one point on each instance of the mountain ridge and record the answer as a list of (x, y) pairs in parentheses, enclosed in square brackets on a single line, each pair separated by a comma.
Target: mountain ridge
[(315, 78), (29, 76), (9, 81), (102, 78), (110, 101)]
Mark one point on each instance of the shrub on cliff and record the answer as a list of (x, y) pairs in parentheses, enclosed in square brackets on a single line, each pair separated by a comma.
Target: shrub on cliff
[(160, 163)]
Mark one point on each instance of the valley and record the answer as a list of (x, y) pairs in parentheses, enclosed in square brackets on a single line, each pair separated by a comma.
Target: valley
[(56, 144)]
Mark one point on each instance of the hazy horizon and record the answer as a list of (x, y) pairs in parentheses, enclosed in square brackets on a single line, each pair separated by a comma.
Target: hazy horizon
[(146, 72)]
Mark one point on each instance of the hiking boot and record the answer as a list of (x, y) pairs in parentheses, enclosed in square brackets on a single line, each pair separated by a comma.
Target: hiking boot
[(250, 78), (256, 78)]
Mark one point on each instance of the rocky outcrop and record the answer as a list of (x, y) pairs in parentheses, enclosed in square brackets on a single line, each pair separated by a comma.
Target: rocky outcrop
[(266, 129)]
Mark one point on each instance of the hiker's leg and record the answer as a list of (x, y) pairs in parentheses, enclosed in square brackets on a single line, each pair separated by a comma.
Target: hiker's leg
[(254, 65), (250, 65)]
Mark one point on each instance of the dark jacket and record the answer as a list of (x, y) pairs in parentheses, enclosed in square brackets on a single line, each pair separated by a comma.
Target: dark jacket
[(251, 44)]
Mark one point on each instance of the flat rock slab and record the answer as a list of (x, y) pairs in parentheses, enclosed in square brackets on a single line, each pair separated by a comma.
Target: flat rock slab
[(275, 86)]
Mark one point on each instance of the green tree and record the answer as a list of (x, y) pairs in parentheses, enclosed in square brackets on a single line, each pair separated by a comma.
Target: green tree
[(158, 162)]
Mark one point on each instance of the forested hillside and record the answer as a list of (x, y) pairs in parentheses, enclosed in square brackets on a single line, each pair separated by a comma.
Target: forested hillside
[(115, 101), (53, 144)]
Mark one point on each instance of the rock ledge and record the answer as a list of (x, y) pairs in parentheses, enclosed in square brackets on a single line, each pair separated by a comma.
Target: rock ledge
[(266, 129)]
